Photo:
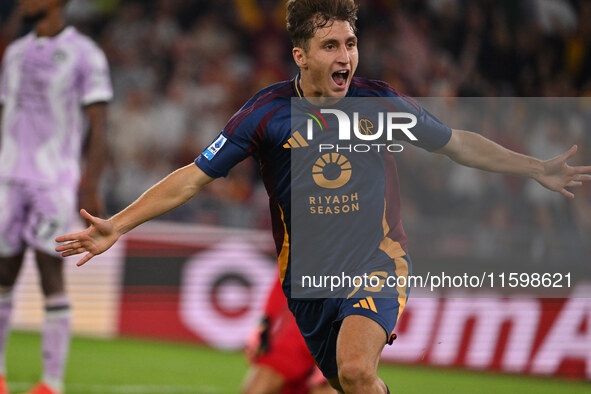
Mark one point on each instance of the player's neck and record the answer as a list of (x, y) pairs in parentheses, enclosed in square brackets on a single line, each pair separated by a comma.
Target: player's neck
[(308, 90), (51, 25), (313, 94)]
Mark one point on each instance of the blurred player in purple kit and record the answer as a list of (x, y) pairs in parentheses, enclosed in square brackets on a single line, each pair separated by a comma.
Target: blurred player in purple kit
[(54, 83)]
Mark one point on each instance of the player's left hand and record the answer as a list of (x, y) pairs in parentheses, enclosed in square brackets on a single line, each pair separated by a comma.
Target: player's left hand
[(557, 175), (97, 238)]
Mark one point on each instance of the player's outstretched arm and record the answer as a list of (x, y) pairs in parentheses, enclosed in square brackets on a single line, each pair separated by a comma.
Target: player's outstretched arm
[(174, 190), (476, 151)]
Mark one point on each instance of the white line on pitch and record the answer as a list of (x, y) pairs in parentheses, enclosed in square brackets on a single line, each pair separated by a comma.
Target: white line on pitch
[(124, 389)]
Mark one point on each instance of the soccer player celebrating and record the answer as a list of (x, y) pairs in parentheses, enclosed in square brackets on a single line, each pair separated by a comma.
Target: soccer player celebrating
[(51, 79), (344, 335)]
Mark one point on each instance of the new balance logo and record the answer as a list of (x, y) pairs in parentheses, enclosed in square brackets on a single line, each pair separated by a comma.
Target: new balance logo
[(366, 303), (296, 141)]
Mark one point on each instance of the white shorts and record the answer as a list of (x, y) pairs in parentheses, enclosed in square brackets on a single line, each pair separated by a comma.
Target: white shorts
[(33, 215)]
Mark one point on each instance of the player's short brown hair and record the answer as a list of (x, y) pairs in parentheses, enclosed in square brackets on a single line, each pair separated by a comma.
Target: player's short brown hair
[(304, 17)]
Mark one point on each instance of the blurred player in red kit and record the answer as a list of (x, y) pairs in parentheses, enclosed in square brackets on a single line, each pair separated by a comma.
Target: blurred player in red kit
[(281, 362)]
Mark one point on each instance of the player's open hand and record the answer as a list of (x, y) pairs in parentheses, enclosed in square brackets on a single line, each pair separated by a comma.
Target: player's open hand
[(96, 239), (558, 175)]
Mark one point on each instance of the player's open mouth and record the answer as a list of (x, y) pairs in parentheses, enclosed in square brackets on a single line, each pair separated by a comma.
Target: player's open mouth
[(340, 78)]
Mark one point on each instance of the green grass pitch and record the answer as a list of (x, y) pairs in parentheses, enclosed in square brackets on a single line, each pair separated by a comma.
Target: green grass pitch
[(145, 367)]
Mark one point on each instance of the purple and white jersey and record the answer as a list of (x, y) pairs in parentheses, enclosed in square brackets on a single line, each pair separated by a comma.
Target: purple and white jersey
[(44, 85)]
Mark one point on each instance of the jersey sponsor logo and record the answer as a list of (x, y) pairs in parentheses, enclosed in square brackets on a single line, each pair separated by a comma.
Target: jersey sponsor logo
[(331, 171), (215, 147), (333, 204), (296, 141), (366, 303)]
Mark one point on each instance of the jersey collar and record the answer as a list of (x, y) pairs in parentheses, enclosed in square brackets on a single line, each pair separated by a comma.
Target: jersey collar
[(62, 33), (297, 87)]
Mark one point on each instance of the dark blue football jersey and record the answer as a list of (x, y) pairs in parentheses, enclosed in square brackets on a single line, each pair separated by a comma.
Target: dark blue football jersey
[(342, 202)]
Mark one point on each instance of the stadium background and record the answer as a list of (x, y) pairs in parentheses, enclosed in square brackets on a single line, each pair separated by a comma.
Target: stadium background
[(181, 68)]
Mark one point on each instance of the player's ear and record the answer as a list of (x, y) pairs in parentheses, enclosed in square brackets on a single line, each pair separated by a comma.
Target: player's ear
[(299, 56)]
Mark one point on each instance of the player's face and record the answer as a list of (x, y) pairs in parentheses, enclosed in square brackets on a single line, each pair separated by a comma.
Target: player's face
[(330, 61)]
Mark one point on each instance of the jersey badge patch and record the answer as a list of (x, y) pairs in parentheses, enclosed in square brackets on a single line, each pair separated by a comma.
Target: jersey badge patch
[(214, 148)]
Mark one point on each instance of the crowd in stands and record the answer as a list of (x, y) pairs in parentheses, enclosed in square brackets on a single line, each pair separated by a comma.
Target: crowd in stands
[(181, 68)]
